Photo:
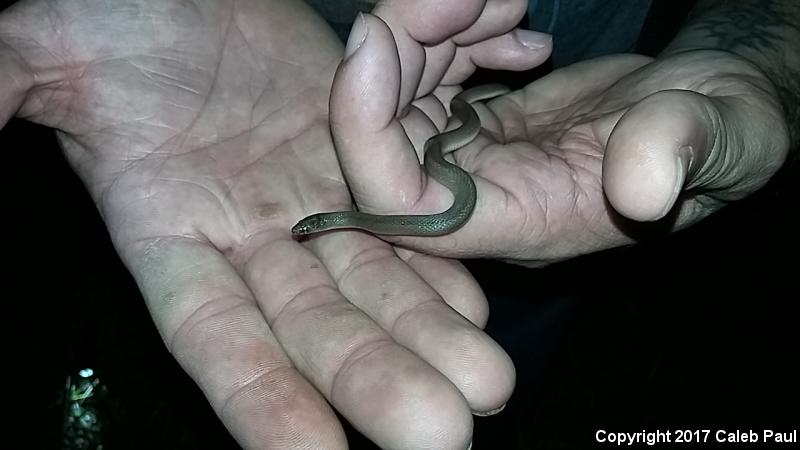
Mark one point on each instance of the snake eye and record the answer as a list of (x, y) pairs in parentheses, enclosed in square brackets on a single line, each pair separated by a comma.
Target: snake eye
[(307, 226), (301, 228)]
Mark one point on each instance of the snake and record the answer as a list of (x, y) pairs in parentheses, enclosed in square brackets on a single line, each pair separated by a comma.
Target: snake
[(454, 178)]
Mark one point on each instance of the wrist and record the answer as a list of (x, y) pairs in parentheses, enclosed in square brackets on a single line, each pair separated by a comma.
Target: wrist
[(764, 33)]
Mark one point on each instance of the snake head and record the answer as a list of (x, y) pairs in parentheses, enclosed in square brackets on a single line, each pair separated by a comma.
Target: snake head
[(308, 225)]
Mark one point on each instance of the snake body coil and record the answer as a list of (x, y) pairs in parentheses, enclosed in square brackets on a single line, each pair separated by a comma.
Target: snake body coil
[(451, 176)]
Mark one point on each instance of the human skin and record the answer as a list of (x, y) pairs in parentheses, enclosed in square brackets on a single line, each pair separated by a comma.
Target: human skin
[(200, 129), (582, 159)]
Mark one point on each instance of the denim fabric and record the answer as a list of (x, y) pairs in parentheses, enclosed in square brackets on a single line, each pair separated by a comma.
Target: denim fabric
[(340, 13), (584, 29), (581, 29)]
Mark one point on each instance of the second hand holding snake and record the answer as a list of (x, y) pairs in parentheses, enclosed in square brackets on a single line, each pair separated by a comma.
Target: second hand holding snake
[(449, 175)]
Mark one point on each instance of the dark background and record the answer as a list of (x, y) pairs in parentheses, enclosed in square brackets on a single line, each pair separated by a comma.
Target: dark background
[(696, 329)]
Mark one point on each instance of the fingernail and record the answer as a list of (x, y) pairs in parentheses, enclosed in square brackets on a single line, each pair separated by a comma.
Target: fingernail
[(358, 34), (532, 39), (682, 165), (489, 413)]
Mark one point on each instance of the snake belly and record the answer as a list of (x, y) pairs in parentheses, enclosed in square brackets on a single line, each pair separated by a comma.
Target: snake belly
[(454, 178)]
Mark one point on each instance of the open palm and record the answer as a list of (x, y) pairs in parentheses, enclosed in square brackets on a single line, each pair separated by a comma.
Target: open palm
[(200, 129), (570, 164)]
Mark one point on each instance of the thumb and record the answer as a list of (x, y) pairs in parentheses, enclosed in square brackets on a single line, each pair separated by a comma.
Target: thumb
[(675, 140), (17, 80)]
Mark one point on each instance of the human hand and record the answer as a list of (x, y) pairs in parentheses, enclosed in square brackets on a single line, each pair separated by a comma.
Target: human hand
[(201, 132), (571, 163)]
